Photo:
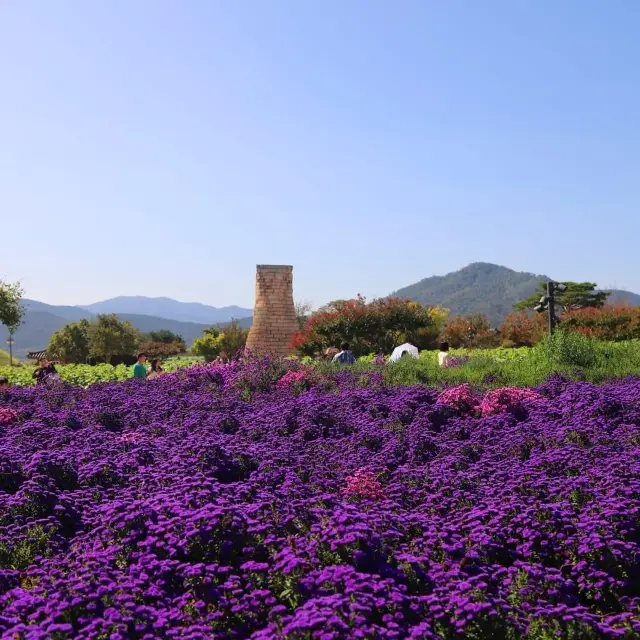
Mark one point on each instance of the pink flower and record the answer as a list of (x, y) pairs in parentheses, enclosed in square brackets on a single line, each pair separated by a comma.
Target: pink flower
[(506, 399), (129, 437), (290, 378), (7, 415), (380, 360), (364, 485), (455, 361), (461, 397)]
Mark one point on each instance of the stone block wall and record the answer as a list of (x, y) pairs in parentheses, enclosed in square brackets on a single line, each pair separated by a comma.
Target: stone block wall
[(274, 314)]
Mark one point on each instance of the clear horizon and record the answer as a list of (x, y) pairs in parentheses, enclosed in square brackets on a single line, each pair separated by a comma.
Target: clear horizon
[(164, 149), (250, 306)]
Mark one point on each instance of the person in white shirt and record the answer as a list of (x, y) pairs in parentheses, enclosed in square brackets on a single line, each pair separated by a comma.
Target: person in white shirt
[(443, 354)]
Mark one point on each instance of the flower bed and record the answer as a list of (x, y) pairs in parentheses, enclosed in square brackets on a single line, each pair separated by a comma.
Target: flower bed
[(212, 503)]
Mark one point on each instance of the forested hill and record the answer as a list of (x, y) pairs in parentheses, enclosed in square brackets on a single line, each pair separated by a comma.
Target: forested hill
[(485, 288)]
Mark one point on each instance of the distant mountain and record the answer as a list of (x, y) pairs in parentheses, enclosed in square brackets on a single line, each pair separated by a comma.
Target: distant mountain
[(72, 314), (34, 333), (485, 288), (42, 320), (621, 297), (244, 323), (168, 308)]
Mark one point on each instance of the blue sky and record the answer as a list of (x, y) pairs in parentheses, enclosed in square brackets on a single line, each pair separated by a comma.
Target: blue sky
[(166, 148)]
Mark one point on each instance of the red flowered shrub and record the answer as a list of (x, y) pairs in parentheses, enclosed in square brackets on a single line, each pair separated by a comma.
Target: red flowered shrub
[(611, 323), (369, 327)]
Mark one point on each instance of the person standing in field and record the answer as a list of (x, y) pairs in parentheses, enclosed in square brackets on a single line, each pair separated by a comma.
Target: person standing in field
[(139, 368), (443, 354), (345, 356), (155, 370), (44, 371)]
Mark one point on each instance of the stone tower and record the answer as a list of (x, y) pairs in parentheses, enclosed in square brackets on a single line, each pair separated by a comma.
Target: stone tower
[(274, 314)]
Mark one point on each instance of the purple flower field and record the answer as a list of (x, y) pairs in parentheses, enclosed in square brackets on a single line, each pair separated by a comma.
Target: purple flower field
[(216, 503)]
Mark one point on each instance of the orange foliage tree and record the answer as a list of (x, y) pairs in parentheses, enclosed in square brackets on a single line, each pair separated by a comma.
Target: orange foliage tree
[(522, 329), (473, 331), (612, 323)]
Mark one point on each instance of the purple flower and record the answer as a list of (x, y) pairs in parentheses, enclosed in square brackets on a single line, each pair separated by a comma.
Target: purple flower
[(220, 502)]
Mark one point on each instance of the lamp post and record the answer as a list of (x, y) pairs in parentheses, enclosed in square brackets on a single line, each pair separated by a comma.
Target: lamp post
[(548, 303), (551, 307), (10, 342)]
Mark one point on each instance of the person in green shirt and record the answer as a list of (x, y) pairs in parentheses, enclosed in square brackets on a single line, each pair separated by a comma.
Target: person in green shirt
[(139, 368)]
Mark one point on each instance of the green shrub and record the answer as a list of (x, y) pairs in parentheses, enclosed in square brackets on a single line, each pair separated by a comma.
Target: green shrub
[(571, 349)]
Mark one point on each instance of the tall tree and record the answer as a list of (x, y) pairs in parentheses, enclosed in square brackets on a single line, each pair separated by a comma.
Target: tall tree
[(109, 336), (11, 310), (71, 343), (303, 311), (578, 295)]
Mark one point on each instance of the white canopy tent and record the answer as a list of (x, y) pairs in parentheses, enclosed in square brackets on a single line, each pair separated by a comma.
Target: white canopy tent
[(402, 349)]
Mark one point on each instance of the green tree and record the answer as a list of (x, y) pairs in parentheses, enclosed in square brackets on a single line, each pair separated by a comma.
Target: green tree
[(160, 349), (165, 336), (208, 345), (578, 295), (233, 338), (162, 344), (11, 309), (71, 343), (109, 336)]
